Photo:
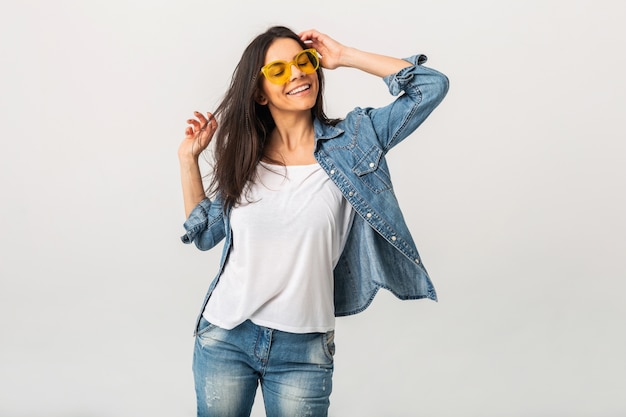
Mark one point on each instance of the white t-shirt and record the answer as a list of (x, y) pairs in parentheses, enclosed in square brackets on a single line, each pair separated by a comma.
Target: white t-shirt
[(286, 242)]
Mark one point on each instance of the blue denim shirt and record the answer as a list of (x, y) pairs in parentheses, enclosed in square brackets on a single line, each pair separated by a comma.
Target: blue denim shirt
[(379, 252)]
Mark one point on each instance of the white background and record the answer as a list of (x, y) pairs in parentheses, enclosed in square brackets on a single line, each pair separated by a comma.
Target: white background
[(513, 188)]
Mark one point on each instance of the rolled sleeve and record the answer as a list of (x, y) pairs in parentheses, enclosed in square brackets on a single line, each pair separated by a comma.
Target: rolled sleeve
[(205, 225), (398, 81), (419, 89)]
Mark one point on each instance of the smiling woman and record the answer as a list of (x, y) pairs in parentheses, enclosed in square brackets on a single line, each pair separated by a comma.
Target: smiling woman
[(311, 225)]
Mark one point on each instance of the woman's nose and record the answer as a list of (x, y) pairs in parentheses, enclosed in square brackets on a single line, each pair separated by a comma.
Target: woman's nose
[(295, 72)]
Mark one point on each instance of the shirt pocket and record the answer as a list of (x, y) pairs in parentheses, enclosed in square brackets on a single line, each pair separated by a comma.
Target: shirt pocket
[(372, 171)]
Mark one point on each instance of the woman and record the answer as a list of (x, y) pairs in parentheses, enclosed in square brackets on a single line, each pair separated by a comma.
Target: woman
[(311, 225)]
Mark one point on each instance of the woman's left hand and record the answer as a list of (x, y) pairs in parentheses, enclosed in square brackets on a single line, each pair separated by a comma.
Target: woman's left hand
[(330, 50)]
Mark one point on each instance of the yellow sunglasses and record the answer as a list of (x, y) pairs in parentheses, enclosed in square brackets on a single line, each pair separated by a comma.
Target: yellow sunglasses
[(279, 72)]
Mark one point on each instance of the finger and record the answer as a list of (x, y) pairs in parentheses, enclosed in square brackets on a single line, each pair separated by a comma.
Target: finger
[(195, 125), (211, 121), (206, 121), (307, 35), (203, 119)]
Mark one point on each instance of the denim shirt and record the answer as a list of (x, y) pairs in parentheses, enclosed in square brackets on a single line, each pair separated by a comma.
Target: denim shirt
[(379, 251)]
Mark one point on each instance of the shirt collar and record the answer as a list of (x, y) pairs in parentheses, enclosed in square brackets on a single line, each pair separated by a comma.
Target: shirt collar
[(325, 132)]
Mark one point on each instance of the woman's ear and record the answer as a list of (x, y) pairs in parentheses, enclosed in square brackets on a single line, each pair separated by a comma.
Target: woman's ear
[(261, 99)]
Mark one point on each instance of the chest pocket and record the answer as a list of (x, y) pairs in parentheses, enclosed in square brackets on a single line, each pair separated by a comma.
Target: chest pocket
[(372, 170)]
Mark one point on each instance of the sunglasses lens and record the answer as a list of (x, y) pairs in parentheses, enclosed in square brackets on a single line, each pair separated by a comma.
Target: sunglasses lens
[(277, 72), (307, 61)]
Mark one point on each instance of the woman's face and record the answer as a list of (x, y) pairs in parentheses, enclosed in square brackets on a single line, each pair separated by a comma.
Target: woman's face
[(299, 92)]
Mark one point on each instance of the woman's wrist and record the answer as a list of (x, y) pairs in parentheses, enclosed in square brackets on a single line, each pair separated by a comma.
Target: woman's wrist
[(188, 159), (348, 57)]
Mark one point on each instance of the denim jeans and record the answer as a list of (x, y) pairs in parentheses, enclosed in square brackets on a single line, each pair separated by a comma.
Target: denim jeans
[(294, 370)]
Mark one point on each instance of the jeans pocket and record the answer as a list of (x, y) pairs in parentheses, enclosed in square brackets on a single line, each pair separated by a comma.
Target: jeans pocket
[(204, 327), (329, 344)]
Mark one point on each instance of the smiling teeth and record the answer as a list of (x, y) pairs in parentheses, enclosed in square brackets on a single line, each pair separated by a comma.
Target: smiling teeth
[(299, 89)]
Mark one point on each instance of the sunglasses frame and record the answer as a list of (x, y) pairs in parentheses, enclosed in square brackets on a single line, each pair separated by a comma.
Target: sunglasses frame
[(287, 73)]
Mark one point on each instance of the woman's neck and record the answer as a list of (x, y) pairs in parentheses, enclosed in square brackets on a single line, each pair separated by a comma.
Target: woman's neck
[(292, 141)]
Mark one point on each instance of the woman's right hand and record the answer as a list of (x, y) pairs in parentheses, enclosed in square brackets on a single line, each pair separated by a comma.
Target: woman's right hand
[(198, 135)]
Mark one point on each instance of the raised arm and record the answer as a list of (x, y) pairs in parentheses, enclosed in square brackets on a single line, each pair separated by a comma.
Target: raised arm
[(423, 88), (335, 55), (197, 137)]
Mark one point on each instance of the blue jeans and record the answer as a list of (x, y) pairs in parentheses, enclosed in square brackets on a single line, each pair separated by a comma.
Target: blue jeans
[(295, 371)]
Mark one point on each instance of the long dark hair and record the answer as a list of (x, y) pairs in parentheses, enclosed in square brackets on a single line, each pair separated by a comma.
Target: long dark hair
[(245, 125)]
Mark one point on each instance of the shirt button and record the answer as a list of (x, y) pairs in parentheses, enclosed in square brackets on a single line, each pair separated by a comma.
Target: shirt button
[(332, 172), (368, 215), (417, 261), (350, 193), (372, 165), (393, 238)]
